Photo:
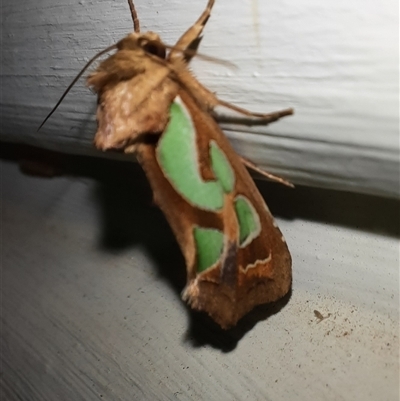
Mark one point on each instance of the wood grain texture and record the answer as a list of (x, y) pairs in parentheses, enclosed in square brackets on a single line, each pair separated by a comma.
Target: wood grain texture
[(335, 63), (91, 307)]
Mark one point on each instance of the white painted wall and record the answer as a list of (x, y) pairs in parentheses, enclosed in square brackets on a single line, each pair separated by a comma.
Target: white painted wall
[(336, 63)]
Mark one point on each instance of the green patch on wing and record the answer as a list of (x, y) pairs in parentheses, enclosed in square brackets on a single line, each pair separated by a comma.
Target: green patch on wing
[(221, 167), (177, 155), (248, 219), (209, 247)]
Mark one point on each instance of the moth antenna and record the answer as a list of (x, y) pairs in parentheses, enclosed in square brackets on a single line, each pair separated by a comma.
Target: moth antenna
[(74, 81), (135, 19)]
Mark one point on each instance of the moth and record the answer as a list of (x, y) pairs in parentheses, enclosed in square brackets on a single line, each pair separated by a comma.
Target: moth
[(151, 105)]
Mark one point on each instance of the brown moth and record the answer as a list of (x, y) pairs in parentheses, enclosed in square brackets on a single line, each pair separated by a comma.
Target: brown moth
[(151, 105)]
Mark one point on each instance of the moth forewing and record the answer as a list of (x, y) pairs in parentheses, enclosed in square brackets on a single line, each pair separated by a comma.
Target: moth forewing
[(150, 104), (262, 262)]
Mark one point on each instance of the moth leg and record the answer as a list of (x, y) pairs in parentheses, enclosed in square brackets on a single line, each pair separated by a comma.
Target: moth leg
[(191, 38), (262, 118), (208, 101), (270, 176)]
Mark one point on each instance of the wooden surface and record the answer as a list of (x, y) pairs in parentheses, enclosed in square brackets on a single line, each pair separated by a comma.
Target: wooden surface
[(91, 277), (336, 63)]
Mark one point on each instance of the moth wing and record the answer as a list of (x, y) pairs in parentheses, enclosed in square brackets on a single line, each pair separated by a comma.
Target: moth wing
[(134, 98), (242, 264)]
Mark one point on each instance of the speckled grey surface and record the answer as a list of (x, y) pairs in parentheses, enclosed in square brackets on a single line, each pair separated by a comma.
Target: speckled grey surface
[(91, 277)]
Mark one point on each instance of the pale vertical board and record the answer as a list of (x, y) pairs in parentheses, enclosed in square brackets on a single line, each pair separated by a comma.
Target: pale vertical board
[(336, 63)]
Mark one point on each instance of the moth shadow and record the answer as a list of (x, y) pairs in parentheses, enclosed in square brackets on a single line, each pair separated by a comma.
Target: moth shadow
[(204, 331), (129, 218)]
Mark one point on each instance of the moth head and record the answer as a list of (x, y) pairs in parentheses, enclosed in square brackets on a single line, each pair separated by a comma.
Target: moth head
[(149, 42)]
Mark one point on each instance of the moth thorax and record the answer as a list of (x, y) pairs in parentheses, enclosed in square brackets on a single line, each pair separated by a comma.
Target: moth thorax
[(150, 42)]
